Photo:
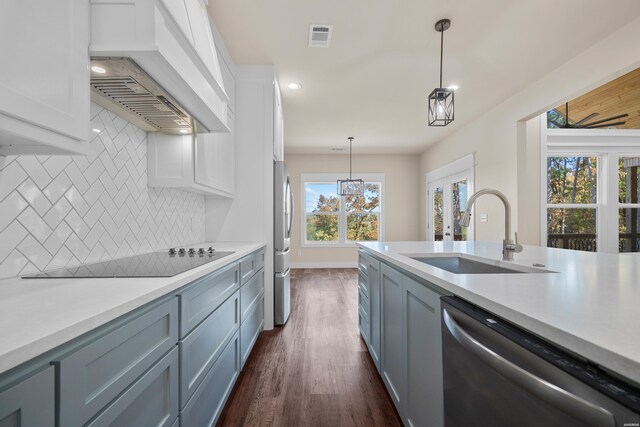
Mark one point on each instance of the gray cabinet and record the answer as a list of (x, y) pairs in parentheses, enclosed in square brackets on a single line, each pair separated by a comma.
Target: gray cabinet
[(405, 341), (198, 300), (207, 402), (251, 328), (152, 401), (393, 357), (251, 303), (423, 355), (201, 348), (30, 403), (91, 377), (375, 313), (248, 267)]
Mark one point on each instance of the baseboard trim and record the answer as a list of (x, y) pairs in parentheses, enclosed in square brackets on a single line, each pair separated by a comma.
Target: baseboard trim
[(353, 264)]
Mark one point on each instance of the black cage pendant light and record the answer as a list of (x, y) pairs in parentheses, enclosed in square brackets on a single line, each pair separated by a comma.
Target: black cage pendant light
[(441, 99), (350, 187)]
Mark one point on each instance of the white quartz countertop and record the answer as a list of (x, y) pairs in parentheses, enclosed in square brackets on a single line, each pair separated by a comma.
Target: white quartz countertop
[(590, 306), (38, 315)]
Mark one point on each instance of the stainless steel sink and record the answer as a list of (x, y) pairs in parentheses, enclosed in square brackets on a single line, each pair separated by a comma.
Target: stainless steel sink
[(458, 264)]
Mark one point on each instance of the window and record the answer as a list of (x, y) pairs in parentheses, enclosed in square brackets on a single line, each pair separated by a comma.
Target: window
[(333, 220), (572, 209), (592, 179)]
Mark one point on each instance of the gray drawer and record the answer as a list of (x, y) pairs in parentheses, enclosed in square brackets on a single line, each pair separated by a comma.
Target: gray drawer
[(250, 293), (30, 402), (363, 284), (251, 328), (363, 325), (363, 262), (93, 376), (247, 268), (199, 299), (152, 401), (200, 349), (260, 259), (207, 402), (363, 303)]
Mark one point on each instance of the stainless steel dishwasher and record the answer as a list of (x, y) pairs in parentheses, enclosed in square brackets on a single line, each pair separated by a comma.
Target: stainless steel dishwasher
[(496, 374)]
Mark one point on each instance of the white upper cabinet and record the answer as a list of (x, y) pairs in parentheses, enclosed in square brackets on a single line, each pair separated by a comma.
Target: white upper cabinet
[(278, 123), (44, 77), (172, 41), (204, 164)]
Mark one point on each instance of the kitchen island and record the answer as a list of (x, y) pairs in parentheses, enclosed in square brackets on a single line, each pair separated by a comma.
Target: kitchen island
[(579, 307), (588, 305)]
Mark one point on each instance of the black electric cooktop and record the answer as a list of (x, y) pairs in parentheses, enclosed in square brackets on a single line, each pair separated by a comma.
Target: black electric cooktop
[(155, 264)]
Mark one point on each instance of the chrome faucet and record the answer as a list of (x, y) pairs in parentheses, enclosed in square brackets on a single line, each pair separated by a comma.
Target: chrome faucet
[(508, 246)]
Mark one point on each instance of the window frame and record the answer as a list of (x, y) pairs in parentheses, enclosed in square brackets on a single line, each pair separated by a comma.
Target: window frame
[(331, 178), (608, 146)]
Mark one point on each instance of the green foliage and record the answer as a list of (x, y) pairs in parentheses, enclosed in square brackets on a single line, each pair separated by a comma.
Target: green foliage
[(362, 216)]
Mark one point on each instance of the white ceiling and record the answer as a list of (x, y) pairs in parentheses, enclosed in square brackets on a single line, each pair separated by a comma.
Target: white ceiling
[(372, 83)]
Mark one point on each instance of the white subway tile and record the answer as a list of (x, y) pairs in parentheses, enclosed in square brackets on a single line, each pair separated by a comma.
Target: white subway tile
[(35, 224), (10, 208), (10, 177), (34, 169), (35, 252), (12, 264), (57, 212), (58, 186)]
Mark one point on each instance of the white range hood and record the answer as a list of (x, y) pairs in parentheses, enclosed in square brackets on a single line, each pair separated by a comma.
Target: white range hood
[(171, 40)]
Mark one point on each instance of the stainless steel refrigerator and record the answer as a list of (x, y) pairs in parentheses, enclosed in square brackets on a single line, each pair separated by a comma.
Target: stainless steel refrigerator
[(283, 218)]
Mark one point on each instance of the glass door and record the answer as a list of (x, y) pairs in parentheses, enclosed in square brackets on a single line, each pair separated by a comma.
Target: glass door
[(447, 202)]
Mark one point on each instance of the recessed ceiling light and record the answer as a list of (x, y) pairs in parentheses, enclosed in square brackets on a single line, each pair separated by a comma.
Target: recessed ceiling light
[(97, 69), (454, 87), (294, 86), (184, 131)]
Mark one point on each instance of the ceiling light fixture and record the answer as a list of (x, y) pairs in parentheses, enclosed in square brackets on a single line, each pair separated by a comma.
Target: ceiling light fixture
[(184, 131), (350, 187), (453, 87), (441, 99), (97, 69), (294, 86)]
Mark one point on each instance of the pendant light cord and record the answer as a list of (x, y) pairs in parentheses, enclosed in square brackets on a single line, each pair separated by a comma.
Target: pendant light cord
[(441, 51)]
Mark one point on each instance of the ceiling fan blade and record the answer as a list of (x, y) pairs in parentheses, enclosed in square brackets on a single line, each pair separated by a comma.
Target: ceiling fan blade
[(586, 119), (608, 119), (603, 125)]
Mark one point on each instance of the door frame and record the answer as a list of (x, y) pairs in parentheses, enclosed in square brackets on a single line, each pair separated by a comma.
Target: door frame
[(444, 176)]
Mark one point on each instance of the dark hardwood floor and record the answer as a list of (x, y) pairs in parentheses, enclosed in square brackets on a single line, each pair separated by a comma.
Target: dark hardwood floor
[(314, 371)]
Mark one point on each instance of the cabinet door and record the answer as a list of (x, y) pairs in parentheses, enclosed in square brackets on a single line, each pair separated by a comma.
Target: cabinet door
[(423, 352), (94, 375), (151, 401), (374, 311), (215, 159), (393, 369), (207, 403), (30, 402), (44, 78)]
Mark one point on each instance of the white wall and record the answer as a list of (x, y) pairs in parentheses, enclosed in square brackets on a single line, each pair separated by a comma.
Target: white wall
[(400, 214), (496, 136)]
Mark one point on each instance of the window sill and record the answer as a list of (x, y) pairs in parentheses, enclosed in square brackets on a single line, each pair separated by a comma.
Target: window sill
[(334, 245)]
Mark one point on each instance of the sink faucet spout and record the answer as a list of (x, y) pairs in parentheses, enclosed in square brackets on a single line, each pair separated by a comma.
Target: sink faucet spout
[(508, 247)]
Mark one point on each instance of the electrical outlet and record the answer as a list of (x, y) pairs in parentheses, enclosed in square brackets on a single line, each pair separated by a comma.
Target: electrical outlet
[(484, 217)]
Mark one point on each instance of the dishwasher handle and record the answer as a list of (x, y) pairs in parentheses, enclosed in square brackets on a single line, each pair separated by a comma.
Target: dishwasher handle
[(569, 403)]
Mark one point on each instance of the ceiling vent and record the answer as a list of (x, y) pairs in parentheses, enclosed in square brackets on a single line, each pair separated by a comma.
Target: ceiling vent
[(320, 35)]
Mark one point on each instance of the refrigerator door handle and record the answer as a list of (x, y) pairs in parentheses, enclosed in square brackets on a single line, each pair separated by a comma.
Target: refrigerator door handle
[(290, 225), (572, 405)]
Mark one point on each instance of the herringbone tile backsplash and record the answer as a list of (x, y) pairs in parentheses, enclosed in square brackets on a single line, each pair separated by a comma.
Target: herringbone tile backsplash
[(58, 211)]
